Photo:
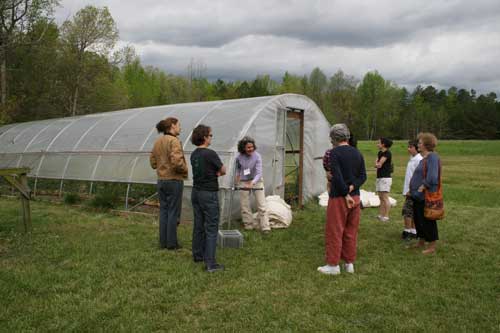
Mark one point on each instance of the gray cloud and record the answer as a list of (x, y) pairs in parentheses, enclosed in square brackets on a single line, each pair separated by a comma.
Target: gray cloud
[(335, 23), (348, 25), (410, 42)]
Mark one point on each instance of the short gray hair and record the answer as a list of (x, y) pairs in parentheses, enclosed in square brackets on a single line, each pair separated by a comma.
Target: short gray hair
[(339, 133)]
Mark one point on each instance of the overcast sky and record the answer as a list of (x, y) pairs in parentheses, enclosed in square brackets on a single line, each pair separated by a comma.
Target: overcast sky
[(443, 43)]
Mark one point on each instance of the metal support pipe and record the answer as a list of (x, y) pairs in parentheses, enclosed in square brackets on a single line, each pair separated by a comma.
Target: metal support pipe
[(34, 186), (126, 196), (140, 203), (61, 187)]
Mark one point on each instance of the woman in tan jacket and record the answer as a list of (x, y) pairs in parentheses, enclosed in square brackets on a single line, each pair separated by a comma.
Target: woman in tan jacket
[(168, 159)]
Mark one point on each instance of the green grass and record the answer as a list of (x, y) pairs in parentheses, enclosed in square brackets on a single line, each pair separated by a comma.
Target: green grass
[(86, 271)]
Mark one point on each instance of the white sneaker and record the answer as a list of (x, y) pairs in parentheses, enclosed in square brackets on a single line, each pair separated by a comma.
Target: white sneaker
[(383, 218), (349, 267), (329, 270)]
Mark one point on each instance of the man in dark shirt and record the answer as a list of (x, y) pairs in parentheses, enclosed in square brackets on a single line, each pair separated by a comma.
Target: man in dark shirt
[(343, 213), (206, 166)]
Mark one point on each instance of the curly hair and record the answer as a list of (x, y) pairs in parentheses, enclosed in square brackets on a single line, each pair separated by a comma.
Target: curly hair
[(199, 134), (429, 140), (243, 142)]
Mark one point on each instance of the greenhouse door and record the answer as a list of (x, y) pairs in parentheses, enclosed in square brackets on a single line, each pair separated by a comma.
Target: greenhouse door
[(294, 156)]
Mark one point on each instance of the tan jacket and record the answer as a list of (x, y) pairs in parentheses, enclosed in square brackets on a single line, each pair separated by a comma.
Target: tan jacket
[(168, 159)]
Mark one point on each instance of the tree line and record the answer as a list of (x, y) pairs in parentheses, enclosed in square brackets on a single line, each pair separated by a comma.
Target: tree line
[(49, 71)]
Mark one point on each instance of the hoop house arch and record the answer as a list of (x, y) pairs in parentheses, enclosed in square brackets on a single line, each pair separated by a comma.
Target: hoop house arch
[(115, 146)]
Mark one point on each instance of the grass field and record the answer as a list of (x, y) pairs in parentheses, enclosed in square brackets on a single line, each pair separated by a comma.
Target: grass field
[(88, 271)]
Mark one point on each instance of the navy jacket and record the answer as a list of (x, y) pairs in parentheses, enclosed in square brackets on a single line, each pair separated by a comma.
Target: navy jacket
[(348, 168)]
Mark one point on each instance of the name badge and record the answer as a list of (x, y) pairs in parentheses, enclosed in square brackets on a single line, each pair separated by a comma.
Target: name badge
[(246, 172)]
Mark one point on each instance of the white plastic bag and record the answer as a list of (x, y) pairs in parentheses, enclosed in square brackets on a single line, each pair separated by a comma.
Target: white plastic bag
[(368, 199)]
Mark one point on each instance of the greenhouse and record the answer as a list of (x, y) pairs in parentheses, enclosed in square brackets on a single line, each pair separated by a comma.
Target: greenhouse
[(291, 134)]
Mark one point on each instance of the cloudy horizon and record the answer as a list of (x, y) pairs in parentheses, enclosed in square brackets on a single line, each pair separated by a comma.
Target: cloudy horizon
[(444, 44)]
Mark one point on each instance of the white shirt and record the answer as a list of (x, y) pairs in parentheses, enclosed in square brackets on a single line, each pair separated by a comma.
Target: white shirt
[(410, 168)]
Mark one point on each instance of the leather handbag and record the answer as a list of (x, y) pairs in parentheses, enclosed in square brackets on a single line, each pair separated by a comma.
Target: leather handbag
[(434, 205)]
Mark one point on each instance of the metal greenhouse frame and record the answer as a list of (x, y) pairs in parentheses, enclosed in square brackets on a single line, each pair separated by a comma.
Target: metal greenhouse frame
[(115, 146)]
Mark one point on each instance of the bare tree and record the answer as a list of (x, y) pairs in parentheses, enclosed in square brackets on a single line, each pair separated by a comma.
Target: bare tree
[(196, 69), (124, 56), (92, 29), (342, 96)]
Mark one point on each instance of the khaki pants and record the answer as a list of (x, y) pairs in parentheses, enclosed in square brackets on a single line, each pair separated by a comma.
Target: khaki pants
[(246, 210)]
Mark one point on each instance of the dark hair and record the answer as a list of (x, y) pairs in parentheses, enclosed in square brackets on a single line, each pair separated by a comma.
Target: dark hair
[(353, 142), (243, 142), (199, 135), (386, 142), (413, 143), (164, 125)]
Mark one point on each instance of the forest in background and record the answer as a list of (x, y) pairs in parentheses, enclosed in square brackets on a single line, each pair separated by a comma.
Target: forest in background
[(49, 70)]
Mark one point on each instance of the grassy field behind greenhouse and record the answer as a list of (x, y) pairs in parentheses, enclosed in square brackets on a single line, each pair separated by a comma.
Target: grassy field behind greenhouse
[(82, 270)]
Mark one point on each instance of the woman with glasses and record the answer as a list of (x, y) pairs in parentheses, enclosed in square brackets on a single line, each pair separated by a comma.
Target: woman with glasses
[(207, 167), (426, 177)]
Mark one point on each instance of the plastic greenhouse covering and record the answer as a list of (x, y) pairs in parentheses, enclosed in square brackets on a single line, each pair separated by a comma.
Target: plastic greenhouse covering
[(115, 146)]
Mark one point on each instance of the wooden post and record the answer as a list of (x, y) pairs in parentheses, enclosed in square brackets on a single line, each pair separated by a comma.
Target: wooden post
[(298, 114), (301, 160), (18, 178)]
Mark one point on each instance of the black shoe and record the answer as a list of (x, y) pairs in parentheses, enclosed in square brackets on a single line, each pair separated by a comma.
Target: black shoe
[(405, 235), (412, 236), (173, 248), (198, 260), (215, 268)]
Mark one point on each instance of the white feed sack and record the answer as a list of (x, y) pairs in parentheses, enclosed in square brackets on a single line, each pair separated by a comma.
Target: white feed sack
[(280, 213), (368, 199)]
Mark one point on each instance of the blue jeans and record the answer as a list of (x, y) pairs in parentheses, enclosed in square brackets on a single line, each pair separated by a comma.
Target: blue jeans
[(206, 225), (170, 195)]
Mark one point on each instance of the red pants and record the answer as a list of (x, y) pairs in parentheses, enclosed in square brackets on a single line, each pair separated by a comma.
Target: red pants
[(341, 230)]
